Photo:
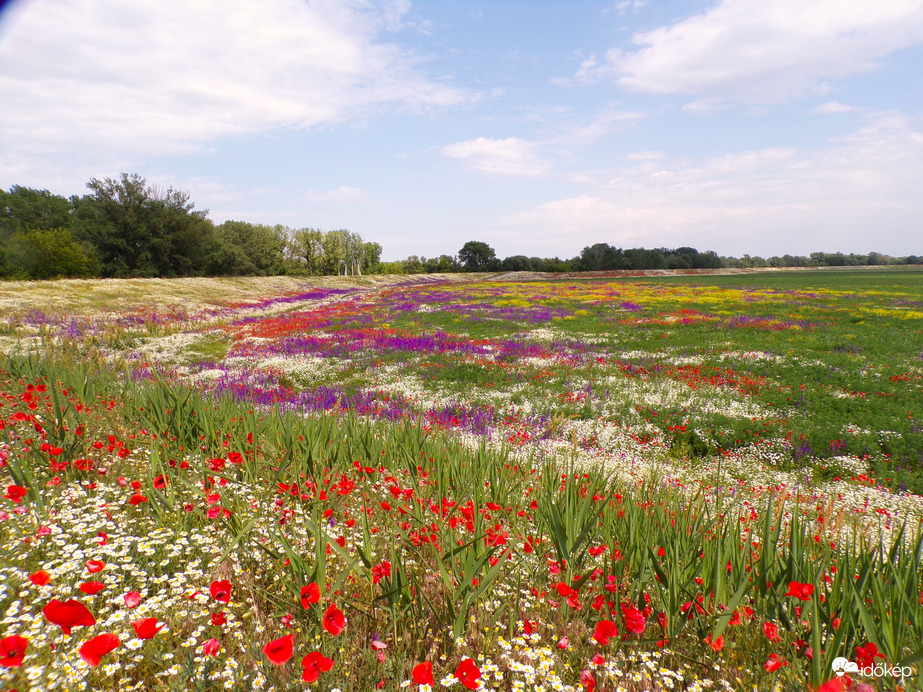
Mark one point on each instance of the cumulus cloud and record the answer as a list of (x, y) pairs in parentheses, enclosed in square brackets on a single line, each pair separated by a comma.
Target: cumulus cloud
[(507, 157), (755, 201), (833, 107), (102, 81), (763, 52)]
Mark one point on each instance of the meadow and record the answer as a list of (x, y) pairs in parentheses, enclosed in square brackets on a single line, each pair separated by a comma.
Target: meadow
[(705, 482)]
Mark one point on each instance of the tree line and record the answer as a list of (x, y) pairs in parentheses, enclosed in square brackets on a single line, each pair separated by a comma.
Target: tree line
[(479, 256), (127, 228)]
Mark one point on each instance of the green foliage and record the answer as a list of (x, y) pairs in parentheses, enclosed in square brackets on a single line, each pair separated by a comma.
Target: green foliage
[(477, 256), (141, 231), (47, 254), (247, 249)]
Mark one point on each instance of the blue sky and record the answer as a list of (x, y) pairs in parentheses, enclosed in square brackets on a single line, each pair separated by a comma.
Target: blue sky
[(742, 126)]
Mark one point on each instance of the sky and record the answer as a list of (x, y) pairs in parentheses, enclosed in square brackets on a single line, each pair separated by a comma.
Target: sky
[(540, 127)]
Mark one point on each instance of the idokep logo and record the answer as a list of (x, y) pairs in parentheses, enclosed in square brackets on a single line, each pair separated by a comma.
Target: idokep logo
[(841, 666)]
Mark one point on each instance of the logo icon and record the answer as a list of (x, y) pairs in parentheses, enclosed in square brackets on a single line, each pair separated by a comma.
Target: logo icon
[(841, 666)]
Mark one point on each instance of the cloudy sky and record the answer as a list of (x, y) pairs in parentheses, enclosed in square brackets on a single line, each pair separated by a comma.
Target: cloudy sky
[(538, 126)]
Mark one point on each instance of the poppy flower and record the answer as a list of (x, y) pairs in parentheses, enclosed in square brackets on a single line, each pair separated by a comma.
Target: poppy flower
[(219, 619), (634, 620), (97, 647), (310, 594), (16, 493), (91, 588), (604, 630), (210, 648), (279, 651), (314, 664), (467, 673), (774, 663), (771, 631), (137, 499), (563, 589), (866, 655), (221, 590), (12, 651), (132, 599), (423, 674), (801, 591), (40, 578), (94, 566), (146, 628), (68, 615), (587, 680), (334, 620)]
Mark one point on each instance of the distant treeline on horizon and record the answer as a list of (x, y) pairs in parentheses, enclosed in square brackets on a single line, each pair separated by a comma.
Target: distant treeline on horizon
[(125, 228)]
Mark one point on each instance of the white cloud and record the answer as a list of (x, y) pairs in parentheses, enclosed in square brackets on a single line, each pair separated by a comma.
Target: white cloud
[(342, 194), (763, 52), (511, 156), (833, 107), (102, 82), (858, 194)]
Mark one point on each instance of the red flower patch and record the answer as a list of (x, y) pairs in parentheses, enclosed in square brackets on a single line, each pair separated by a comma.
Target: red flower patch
[(423, 674), (468, 674), (146, 628), (279, 651), (68, 615), (94, 649), (221, 590), (334, 621), (310, 594), (12, 651), (315, 664)]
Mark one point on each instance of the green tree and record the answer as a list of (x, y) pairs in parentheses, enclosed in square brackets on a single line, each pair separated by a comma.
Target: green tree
[(248, 249), (144, 231), (22, 210), (371, 258), (477, 256), (48, 253)]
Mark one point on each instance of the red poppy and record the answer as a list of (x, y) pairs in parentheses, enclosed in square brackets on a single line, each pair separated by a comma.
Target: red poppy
[(146, 628), (137, 499), (315, 664), (68, 615), (94, 566), (221, 591), (132, 599), (634, 620), (12, 651), (563, 589), (91, 588), (279, 651), (604, 630), (798, 590), (866, 655), (97, 647), (219, 619), (468, 673), (774, 663), (423, 674), (334, 620), (16, 493), (40, 578), (310, 594), (210, 648), (771, 631), (587, 680), (717, 644)]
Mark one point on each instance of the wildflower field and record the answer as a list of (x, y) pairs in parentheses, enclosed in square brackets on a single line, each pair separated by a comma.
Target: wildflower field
[(470, 482)]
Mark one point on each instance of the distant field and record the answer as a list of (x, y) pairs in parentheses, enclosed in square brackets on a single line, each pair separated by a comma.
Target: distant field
[(470, 468)]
